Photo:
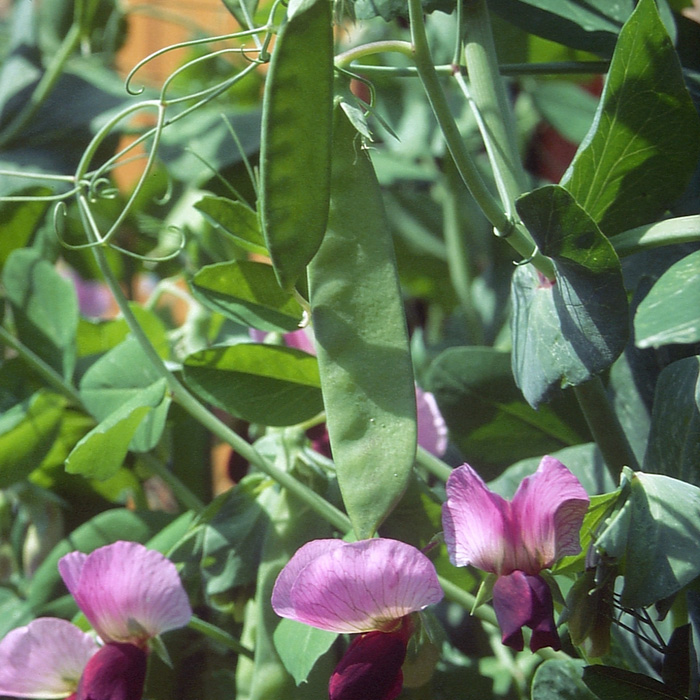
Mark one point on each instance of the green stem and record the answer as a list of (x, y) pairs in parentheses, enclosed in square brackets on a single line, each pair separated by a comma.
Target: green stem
[(219, 635), (605, 427), (343, 60), (515, 233), (48, 373), (44, 86), (433, 464), (490, 103), (684, 229), (545, 68)]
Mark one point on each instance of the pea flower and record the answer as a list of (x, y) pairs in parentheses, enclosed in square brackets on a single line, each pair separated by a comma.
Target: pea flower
[(369, 588), (516, 540), (129, 594)]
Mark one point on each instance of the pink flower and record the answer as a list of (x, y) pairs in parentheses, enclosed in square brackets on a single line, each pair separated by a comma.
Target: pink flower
[(368, 587), (129, 594), (516, 540)]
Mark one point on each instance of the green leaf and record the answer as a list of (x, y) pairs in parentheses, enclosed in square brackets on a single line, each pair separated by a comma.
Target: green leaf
[(566, 332), (247, 292), (45, 308), (567, 106), (300, 646), (27, 432), (670, 312), (610, 683), (235, 219), (645, 141), (590, 25), (560, 680), (266, 384), (18, 220), (485, 411), (233, 536), (391, 9), (674, 439), (656, 534), (362, 341), (100, 454), (115, 379), (295, 148)]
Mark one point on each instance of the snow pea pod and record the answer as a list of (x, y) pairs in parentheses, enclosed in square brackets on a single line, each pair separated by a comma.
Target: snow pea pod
[(296, 141), (362, 341)]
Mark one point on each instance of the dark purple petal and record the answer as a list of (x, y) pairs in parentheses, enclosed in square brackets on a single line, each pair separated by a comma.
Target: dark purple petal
[(116, 672), (521, 600), (370, 668)]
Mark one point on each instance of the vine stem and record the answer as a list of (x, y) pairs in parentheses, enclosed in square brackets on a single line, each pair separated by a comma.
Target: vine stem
[(605, 427), (514, 232), (683, 229), (219, 635)]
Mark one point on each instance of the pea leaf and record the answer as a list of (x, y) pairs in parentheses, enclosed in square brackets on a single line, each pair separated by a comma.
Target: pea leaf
[(100, 454), (115, 379), (610, 683), (236, 220), (567, 331), (560, 680), (669, 312), (27, 432), (655, 535), (644, 143), (45, 308), (247, 292), (266, 384), (485, 411), (674, 438), (300, 646)]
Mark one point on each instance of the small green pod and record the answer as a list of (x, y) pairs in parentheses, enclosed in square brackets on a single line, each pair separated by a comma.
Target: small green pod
[(362, 340), (295, 149)]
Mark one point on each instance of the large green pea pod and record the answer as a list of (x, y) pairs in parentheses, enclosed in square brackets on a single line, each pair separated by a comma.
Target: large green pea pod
[(295, 149), (362, 341)]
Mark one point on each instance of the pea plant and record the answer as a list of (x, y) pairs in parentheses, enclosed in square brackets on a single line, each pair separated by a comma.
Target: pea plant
[(379, 379)]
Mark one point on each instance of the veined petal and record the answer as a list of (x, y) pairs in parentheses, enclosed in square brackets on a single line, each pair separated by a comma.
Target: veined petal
[(128, 593), (432, 430), (45, 659), (355, 587), (116, 672), (548, 507), (370, 668), (477, 524), (521, 600)]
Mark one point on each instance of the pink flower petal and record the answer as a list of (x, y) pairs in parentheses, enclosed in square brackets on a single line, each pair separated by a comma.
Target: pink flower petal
[(45, 659), (370, 668), (128, 593), (432, 430), (477, 524), (521, 600), (549, 507), (116, 672), (355, 587)]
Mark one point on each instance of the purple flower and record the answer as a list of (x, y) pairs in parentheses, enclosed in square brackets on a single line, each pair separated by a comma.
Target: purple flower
[(368, 587), (516, 540), (129, 594)]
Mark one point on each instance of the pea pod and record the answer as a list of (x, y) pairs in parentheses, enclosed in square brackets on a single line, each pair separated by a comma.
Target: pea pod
[(296, 141), (362, 341)]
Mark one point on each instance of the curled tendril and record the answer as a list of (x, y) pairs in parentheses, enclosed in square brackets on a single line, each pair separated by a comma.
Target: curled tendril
[(183, 45), (154, 259), (528, 260), (101, 188)]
